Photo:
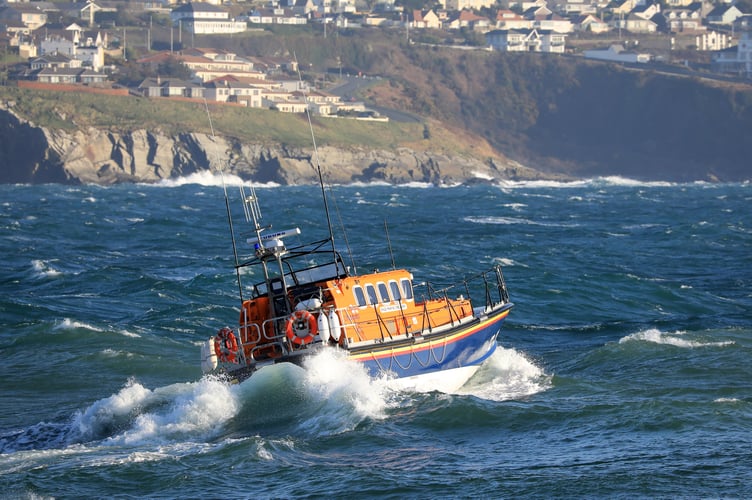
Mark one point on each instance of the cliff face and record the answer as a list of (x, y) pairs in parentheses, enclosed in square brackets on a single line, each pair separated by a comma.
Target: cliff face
[(30, 154)]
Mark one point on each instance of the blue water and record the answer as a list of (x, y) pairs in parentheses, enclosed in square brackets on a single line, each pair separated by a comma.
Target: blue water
[(623, 371)]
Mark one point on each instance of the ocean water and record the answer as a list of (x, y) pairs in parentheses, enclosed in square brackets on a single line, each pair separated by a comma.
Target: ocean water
[(624, 369)]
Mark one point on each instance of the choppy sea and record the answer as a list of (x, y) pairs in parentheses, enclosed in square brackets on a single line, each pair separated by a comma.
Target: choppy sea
[(624, 370)]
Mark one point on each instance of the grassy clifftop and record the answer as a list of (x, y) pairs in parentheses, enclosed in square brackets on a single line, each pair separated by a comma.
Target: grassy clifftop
[(71, 111)]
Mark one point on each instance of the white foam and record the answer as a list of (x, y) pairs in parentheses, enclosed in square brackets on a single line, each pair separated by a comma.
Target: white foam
[(208, 178), (343, 390), (137, 415), (43, 269), (507, 374), (656, 336), (69, 324)]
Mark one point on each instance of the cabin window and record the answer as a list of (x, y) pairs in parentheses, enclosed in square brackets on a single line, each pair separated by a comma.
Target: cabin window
[(360, 297), (383, 292), (394, 288), (371, 293), (407, 289)]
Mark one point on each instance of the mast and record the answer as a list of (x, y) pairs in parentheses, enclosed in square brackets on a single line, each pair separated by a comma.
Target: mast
[(317, 166)]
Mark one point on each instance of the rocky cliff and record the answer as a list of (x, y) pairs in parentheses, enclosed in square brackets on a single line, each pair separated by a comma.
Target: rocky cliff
[(33, 154)]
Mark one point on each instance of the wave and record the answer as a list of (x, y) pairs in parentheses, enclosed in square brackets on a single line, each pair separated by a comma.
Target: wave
[(613, 180), (328, 396), (208, 178), (488, 219), (507, 374), (675, 339), (69, 324), (43, 269)]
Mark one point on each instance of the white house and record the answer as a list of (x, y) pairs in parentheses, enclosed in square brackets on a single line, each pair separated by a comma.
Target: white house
[(712, 40), (616, 53), (526, 40), (203, 18)]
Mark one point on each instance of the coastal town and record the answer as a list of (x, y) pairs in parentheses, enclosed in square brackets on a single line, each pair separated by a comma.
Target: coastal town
[(83, 43)]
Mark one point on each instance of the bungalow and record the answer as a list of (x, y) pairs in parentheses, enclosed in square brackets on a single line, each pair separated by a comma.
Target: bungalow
[(616, 53), (724, 14), (553, 22), (69, 76), (526, 40), (203, 18), (169, 87), (468, 4), (425, 19), (467, 19), (590, 23), (575, 7), (507, 19), (29, 15), (636, 24), (54, 61)]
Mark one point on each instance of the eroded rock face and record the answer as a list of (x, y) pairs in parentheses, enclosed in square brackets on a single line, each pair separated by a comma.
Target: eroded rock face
[(31, 154)]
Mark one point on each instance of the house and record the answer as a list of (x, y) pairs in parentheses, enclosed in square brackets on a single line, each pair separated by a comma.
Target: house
[(712, 40), (616, 53), (58, 75), (425, 19), (85, 11), (301, 7), (681, 20), (88, 48), (467, 4), (276, 16), (647, 11), (507, 19), (53, 61), (553, 22), (736, 60), (575, 7), (724, 14), (467, 19), (623, 7), (590, 23), (30, 15), (206, 64), (169, 87), (636, 24), (234, 91), (203, 18), (533, 40)]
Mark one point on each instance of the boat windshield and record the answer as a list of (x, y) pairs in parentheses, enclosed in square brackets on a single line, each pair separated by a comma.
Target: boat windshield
[(315, 273)]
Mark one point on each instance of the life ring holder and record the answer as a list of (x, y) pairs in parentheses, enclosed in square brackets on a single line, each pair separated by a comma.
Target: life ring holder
[(226, 345), (302, 327)]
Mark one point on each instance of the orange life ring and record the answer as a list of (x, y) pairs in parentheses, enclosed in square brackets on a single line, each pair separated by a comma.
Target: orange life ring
[(301, 327), (226, 345)]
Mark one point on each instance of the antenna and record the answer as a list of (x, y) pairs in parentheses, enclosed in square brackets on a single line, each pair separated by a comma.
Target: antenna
[(317, 164), (227, 208), (389, 244)]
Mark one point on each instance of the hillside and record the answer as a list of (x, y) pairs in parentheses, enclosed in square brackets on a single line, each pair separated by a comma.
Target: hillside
[(494, 114), (554, 113)]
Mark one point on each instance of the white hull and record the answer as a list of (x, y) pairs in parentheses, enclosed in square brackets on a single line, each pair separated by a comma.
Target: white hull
[(446, 381)]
